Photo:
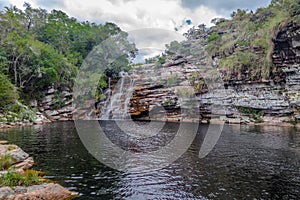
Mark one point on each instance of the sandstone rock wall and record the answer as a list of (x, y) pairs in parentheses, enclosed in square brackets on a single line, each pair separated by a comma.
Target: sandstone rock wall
[(274, 97), (56, 105)]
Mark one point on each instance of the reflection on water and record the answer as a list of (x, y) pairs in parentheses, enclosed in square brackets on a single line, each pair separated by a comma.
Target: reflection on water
[(248, 162)]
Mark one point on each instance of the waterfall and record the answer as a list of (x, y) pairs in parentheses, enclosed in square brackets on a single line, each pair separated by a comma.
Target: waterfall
[(116, 105)]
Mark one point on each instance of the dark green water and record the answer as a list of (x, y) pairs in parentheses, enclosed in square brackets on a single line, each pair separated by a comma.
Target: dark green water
[(248, 162)]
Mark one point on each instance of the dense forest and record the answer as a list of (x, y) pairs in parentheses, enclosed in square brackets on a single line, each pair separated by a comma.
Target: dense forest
[(40, 49)]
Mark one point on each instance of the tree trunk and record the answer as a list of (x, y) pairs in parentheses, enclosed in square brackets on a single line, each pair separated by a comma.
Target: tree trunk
[(15, 71), (15, 68)]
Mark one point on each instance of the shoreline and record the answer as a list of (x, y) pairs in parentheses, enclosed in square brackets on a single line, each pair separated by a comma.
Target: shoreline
[(278, 124), (172, 120)]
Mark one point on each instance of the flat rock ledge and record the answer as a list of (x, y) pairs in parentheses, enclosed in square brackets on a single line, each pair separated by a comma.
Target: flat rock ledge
[(46, 191), (22, 162)]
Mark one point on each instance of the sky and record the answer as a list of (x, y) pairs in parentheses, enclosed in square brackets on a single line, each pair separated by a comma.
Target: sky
[(151, 23)]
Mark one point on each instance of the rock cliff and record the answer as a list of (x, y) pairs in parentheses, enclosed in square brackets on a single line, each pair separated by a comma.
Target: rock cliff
[(240, 96)]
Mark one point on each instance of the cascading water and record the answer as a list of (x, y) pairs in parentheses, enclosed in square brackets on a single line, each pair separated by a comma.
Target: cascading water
[(104, 105), (116, 105)]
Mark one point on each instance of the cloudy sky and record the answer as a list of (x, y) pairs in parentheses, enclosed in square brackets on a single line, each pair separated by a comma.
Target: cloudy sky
[(146, 17)]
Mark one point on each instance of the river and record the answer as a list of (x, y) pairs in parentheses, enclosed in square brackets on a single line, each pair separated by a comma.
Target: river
[(248, 162)]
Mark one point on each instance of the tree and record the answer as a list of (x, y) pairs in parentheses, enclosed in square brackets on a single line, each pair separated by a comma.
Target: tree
[(40, 49), (19, 51), (8, 94), (34, 18), (239, 13), (3, 61)]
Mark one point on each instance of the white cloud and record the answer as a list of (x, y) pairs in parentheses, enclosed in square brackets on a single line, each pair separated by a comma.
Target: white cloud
[(137, 14), (151, 41), (132, 15)]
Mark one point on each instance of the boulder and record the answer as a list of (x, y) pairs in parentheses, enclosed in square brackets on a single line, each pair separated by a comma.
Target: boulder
[(48, 99), (3, 142), (50, 113), (40, 119), (37, 192), (17, 153), (25, 164), (5, 192)]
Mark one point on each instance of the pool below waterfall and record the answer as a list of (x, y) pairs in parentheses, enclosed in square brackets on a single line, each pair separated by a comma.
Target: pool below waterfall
[(248, 162)]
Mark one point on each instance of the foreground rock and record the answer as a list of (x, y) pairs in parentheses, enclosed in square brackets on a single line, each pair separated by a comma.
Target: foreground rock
[(49, 191), (21, 161)]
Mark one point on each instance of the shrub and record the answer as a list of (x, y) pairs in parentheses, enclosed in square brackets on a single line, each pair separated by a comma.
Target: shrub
[(161, 60), (161, 82), (149, 79), (58, 100), (10, 148), (21, 112), (168, 102), (8, 93), (254, 114), (197, 81), (212, 37), (294, 121), (185, 92), (172, 80)]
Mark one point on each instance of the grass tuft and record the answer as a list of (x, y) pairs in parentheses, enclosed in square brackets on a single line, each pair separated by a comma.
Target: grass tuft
[(6, 161), (13, 178)]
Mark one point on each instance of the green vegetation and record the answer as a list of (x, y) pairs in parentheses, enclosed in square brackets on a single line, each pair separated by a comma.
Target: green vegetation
[(160, 61), (243, 45), (10, 148), (57, 100), (40, 49), (248, 34), (254, 114), (197, 81), (18, 112), (172, 80), (185, 92), (168, 102), (294, 121), (13, 178), (149, 79), (6, 161), (162, 82), (8, 94), (212, 37), (175, 47)]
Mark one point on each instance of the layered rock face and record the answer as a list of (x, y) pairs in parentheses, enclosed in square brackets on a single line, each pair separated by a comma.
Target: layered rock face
[(56, 106), (159, 89), (287, 46), (286, 56)]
